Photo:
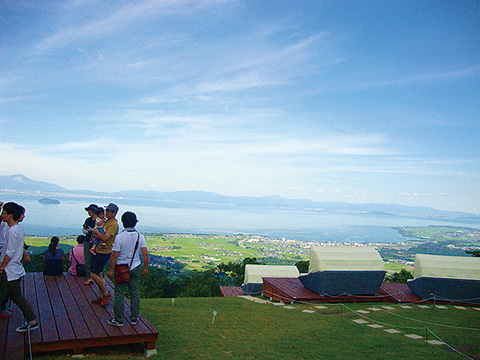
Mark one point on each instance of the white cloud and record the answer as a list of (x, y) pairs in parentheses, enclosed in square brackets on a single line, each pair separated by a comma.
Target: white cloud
[(102, 24), (230, 97), (417, 79)]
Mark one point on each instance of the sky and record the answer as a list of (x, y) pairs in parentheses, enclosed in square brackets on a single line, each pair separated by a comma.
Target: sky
[(352, 101)]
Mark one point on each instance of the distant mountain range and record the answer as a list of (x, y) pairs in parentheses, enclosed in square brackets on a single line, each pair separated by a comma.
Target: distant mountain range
[(19, 185)]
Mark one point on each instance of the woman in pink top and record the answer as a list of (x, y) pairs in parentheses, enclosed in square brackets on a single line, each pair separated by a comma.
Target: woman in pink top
[(76, 256)]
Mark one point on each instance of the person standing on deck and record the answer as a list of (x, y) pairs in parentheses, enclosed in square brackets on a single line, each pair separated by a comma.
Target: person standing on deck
[(3, 230), (103, 253), (4, 310), (126, 249), (88, 226), (11, 269)]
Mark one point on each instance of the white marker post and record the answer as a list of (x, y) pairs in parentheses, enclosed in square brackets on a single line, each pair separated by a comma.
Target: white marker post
[(214, 314)]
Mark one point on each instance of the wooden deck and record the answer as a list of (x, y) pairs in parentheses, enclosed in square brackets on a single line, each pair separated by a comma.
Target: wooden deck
[(292, 290), (231, 291), (11, 342), (67, 319), (399, 293)]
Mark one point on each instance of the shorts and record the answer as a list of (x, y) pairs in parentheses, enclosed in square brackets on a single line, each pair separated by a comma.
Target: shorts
[(99, 262)]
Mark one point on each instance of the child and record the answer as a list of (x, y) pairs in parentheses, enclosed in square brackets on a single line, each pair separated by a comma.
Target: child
[(99, 221)]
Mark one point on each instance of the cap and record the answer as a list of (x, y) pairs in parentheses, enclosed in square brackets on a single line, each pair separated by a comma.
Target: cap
[(112, 207), (92, 207)]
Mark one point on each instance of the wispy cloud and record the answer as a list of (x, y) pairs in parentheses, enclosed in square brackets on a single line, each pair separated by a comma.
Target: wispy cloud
[(241, 97), (107, 22), (417, 79), (261, 64)]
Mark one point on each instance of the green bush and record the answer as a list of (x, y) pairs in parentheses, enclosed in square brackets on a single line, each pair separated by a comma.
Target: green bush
[(400, 277)]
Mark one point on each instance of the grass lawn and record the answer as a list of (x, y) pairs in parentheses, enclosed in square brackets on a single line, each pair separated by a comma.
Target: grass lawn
[(392, 267), (246, 330)]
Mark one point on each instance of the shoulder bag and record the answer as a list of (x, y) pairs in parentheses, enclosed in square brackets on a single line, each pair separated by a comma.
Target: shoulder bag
[(122, 271), (81, 271)]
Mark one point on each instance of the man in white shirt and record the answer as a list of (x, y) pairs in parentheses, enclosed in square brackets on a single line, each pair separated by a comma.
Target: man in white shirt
[(126, 251), (3, 231), (11, 269), (5, 311)]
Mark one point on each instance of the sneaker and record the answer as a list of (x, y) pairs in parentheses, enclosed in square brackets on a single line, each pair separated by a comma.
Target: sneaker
[(92, 251), (97, 301), (27, 327), (6, 313), (114, 322), (134, 322), (105, 300)]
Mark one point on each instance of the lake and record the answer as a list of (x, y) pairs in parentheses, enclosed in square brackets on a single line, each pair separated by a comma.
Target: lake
[(67, 218)]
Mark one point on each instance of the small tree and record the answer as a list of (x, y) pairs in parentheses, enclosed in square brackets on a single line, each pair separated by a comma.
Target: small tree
[(475, 253), (157, 284), (400, 277), (200, 283), (303, 266), (36, 263), (236, 271)]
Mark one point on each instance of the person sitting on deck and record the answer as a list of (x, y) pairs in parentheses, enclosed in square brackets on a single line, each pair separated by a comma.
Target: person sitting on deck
[(53, 258), (77, 259)]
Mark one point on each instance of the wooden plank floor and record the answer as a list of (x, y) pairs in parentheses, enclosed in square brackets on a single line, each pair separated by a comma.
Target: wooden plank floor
[(68, 321), (11, 342), (231, 291), (292, 290), (399, 293)]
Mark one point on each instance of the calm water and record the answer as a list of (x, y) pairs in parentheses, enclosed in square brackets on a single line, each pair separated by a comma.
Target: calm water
[(67, 218)]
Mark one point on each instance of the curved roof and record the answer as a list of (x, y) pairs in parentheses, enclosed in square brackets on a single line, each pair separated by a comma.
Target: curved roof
[(453, 267), (345, 259), (254, 273)]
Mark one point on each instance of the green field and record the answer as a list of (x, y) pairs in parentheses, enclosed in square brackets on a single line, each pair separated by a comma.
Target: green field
[(38, 244), (203, 251), (392, 267), (246, 330), (198, 252), (444, 234)]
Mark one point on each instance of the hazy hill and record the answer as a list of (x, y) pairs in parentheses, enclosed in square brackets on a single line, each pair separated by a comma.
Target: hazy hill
[(21, 185)]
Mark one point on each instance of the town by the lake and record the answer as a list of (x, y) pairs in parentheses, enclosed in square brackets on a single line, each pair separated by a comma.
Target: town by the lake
[(202, 251)]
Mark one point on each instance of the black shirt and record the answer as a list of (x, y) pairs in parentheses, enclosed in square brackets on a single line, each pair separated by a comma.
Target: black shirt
[(88, 226)]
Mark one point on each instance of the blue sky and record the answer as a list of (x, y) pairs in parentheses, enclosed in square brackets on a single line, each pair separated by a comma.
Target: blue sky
[(355, 101)]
